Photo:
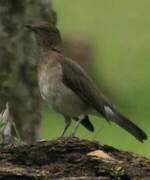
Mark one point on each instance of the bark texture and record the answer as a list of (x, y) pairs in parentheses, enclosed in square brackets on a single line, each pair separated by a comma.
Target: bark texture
[(71, 159), (18, 54)]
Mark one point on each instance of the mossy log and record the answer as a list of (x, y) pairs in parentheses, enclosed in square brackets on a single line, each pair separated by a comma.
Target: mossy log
[(70, 158)]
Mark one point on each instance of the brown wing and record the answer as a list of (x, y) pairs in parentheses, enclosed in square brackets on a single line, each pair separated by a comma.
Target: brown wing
[(77, 79)]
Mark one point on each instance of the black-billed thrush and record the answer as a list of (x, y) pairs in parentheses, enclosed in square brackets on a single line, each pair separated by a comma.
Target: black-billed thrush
[(68, 89)]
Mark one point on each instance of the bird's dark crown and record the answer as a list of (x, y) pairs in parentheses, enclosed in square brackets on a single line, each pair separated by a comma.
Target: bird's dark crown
[(47, 35), (41, 26)]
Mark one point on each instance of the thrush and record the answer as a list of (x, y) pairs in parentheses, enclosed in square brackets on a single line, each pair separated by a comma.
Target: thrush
[(68, 89)]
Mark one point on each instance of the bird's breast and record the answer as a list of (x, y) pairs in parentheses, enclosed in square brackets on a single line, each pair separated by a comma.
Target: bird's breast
[(60, 97), (49, 77)]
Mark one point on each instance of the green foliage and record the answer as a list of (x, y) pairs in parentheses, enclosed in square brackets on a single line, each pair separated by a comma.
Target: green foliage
[(1, 124), (117, 172)]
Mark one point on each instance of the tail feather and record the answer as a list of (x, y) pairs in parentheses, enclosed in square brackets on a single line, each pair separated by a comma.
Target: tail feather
[(86, 122), (126, 124)]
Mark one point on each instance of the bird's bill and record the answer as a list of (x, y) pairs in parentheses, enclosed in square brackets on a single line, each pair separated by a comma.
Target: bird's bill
[(30, 27)]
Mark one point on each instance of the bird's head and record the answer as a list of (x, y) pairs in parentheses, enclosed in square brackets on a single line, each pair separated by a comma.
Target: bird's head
[(47, 35)]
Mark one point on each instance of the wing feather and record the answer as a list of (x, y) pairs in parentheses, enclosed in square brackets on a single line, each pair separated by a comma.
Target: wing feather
[(77, 79)]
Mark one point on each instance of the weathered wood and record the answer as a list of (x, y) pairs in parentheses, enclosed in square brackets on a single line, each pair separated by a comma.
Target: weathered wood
[(71, 159)]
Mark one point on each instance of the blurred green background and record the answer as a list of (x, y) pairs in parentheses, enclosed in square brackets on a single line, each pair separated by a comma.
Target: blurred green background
[(120, 34)]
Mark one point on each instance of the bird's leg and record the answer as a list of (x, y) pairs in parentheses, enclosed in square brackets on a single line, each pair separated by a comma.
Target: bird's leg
[(67, 124), (76, 127)]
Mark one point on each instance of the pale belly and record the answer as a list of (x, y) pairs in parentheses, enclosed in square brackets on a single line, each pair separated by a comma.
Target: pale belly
[(62, 99)]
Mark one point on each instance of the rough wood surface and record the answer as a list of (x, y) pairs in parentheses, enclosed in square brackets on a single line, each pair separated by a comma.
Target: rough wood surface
[(70, 159)]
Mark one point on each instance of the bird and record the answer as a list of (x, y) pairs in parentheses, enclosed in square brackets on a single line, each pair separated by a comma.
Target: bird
[(68, 89)]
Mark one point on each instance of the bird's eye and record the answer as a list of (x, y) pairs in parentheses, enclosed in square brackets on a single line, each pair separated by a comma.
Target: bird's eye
[(43, 29)]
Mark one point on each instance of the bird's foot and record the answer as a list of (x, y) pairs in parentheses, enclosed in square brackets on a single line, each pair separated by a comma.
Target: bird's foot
[(72, 135)]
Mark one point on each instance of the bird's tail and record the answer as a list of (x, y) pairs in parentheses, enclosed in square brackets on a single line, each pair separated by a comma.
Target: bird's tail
[(85, 122), (126, 124)]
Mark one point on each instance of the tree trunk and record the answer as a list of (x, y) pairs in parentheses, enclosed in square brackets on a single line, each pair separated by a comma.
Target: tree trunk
[(71, 159), (18, 52)]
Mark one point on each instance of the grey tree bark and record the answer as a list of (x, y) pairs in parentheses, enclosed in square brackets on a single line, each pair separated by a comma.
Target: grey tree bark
[(18, 54)]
